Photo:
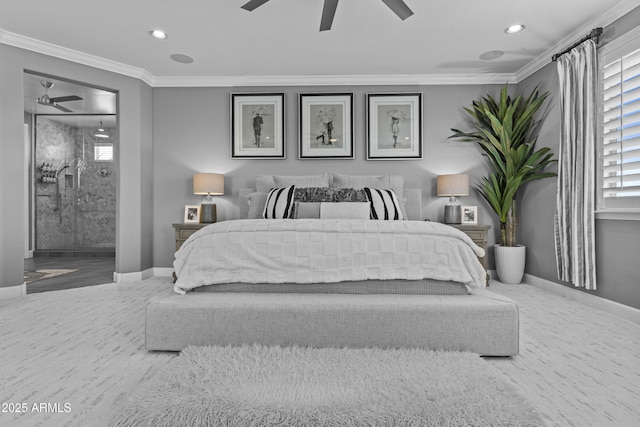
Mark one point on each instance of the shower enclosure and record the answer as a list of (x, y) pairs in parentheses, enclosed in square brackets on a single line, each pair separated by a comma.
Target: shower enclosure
[(74, 184)]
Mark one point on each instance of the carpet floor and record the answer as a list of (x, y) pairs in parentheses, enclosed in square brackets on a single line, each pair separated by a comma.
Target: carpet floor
[(263, 386)]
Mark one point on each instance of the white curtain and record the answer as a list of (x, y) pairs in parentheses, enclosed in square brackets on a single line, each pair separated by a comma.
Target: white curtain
[(575, 205)]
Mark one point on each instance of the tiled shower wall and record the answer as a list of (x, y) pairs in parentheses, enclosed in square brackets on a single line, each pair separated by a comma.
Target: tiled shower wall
[(75, 197)]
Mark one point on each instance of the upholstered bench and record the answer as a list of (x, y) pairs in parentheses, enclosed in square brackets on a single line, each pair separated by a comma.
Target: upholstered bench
[(486, 324)]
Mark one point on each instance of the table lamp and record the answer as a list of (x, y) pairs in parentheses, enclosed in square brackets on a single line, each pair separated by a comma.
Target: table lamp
[(452, 186), (208, 184)]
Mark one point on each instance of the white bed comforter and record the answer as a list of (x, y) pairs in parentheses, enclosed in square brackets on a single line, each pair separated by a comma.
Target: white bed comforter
[(326, 251)]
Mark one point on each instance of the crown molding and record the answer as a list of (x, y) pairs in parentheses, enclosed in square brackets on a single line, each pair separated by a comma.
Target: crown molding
[(612, 14), (333, 80), (34, 45), (50, 49)]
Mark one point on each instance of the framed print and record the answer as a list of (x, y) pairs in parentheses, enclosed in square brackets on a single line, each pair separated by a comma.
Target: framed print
[(394, 126), (469, 214), (326, 126), (257, 126), (192, 213)]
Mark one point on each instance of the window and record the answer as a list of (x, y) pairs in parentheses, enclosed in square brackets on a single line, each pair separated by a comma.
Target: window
[(619, 151), (103, 152)]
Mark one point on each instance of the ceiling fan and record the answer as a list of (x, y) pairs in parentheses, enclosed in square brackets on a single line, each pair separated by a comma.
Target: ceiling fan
[(399, 7), (53, 102)]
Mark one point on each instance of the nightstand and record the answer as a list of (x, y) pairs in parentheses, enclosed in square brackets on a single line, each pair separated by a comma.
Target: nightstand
[(184, 230), (478, 233)]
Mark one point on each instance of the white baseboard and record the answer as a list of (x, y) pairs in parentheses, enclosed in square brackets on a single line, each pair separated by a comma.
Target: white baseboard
[(136, 276), (620, 310), (142, 275), (13, 291)]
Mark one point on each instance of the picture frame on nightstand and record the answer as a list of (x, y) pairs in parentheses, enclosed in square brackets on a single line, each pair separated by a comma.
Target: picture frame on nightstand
[(191, 214), (469, 214)]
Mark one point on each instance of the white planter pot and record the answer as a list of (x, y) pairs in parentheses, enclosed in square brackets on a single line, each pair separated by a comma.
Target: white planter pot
[(510, 263)]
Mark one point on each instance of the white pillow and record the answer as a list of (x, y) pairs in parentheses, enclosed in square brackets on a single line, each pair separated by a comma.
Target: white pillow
[(264, 183), (256, 204), (279, 203), (384, 204), (344, 210)]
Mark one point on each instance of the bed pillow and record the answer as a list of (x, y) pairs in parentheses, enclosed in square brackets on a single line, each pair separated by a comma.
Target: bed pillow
[(256, 204), (392, 182), (264, 183), (279, 203), (345, 210), (384, 204), (306, 210)]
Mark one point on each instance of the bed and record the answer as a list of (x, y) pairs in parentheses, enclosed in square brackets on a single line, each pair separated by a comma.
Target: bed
[(320, 271)]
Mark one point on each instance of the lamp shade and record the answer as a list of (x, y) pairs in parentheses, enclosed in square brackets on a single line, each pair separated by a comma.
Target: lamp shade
[(208, 184), (453, 185)]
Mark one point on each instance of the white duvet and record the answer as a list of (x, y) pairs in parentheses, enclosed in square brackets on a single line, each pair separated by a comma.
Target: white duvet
[(326, 251)]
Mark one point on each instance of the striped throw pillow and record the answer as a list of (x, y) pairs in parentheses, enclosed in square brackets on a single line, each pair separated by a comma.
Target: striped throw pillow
[(279, 203), (384, 204)]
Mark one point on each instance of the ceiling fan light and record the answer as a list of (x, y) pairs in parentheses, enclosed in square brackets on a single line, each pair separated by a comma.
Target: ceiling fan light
[(100, 133)]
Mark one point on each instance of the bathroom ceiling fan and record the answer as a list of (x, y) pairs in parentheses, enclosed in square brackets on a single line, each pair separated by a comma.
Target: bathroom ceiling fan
[(54, 102), (399, 7)]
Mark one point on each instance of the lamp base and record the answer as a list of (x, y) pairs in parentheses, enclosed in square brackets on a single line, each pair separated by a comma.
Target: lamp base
[(208, 213), (452, 214)]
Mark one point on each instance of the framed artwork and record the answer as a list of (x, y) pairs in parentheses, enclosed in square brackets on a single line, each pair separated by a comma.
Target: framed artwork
[(257, 126), (326, 126), (394, 126), (469, 214), (192, 213)]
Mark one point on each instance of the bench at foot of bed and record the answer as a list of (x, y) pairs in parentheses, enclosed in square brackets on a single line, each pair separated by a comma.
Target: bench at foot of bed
[(486, 324)]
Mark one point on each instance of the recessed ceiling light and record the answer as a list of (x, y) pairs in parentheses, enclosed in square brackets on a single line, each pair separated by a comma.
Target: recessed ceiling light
[(181, 58), (158, 34), (491, 55), (515, 28)]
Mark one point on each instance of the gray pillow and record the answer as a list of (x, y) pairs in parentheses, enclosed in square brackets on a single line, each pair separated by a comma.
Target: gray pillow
[(307, 210)]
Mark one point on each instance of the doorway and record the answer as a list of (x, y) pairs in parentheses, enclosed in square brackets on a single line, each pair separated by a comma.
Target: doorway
[(72, 168)]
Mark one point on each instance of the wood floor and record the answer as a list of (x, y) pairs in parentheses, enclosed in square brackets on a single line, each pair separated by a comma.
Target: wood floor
[(84, 347), (91, 271)]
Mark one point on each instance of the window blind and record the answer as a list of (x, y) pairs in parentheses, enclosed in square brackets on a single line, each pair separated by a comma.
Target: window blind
[(620, 127)]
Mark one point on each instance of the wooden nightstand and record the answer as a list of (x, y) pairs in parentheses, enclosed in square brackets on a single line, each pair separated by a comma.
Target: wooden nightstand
[(184, 230), (478, 233)]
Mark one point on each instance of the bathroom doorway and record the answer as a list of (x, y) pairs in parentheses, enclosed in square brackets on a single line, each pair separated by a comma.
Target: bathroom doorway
[(73, 172)]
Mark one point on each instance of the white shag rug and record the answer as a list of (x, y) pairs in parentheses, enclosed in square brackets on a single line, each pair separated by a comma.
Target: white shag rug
[(298, 386)]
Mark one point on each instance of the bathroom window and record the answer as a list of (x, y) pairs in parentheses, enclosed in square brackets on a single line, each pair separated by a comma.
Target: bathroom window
[(103, 152)]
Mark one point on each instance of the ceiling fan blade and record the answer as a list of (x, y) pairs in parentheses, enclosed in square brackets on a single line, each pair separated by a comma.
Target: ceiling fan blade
[(253, 4), (328, 12), (61, 108), (399, 7), (66, 98)]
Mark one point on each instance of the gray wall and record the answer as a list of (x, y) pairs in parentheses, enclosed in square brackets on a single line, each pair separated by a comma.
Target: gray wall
[(618, 271), (192, 134), (135, 180)]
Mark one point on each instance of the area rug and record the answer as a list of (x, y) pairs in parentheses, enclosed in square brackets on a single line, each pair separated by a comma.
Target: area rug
[(34, 276), (298, 386)]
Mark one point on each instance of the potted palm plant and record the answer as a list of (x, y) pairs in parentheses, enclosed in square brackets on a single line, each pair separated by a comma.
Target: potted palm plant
[(506, 130)]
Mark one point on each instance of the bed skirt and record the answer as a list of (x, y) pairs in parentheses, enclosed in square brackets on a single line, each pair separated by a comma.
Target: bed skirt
[(398, 286), (485, 323)]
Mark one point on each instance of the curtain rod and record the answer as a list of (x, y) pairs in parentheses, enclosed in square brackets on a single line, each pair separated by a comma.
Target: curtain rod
[(594, 34)]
